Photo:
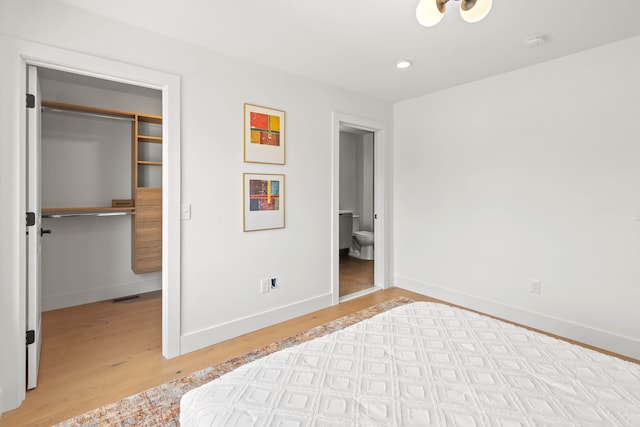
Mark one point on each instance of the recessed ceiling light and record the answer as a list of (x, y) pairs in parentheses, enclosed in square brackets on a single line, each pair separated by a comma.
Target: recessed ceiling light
[(405, 63)]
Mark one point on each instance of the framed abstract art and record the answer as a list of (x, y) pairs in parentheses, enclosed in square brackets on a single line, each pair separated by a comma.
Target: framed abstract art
[(264, 135), (263, 201)]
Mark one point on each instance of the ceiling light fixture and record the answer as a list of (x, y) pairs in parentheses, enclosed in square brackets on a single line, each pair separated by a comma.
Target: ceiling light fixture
[(404, 63), (430, 12)]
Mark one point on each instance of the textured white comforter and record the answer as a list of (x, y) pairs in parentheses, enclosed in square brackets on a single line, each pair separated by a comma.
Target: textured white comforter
[(423, 364)]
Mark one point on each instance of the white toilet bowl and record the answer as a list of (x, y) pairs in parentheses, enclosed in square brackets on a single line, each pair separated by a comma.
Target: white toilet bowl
[(363, 245)]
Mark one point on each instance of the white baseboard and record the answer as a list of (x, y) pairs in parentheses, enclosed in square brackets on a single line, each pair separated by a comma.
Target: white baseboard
[(360, 294), (616, 343), (86, 296), (215, 334)]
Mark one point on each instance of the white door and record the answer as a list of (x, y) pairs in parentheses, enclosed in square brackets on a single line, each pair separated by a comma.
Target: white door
[(34, 232)]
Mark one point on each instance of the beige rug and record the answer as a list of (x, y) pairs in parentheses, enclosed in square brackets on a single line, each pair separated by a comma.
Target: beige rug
[(160, 406)]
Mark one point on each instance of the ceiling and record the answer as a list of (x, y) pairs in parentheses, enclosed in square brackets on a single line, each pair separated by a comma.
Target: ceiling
[(355, 44)]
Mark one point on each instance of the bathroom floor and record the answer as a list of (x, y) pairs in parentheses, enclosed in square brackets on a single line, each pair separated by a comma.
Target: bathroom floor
[(355, 275)]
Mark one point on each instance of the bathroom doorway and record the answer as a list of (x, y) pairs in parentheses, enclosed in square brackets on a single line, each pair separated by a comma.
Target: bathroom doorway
[(376, 208), (356, 211)]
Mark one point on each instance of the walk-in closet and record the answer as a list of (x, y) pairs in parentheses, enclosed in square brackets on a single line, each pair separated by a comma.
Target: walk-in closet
[(101, 194)]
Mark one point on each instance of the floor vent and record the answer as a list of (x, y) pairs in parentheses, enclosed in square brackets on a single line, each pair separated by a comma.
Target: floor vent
[(129, 298)]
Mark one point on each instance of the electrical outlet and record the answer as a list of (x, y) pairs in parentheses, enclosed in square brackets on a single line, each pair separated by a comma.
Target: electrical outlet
[(265, 284), (274, 282), (535, 286)]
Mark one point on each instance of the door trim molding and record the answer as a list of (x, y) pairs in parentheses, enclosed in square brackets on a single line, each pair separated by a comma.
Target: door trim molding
[(169, 84), (18, 55), (382, 189)]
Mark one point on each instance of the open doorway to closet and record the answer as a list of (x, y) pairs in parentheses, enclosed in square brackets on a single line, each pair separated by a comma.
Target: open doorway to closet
[(101, 198), (101, 172)]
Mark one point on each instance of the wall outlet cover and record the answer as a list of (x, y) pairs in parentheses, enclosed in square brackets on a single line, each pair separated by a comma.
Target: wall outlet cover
[(535, 286)]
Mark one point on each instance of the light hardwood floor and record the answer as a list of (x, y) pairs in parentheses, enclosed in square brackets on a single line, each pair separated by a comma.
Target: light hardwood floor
[(355, 275), (98, 353)]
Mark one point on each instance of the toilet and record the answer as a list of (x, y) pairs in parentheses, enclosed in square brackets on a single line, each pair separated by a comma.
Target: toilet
[(362, 245)]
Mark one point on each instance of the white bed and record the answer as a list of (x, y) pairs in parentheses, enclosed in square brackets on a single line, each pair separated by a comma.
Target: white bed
[(423, 364)]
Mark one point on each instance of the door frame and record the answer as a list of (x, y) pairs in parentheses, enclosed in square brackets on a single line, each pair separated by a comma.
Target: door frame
[(29, 53), (381, 208)]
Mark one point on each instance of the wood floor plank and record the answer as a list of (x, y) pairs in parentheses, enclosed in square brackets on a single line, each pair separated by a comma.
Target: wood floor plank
[(354, 275)]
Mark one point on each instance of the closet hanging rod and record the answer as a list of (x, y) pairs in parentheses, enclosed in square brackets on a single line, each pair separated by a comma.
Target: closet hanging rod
[(68, 215), (85, 113)]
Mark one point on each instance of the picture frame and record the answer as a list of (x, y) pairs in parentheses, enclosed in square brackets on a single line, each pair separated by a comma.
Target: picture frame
[(264, 135), (263, 201)]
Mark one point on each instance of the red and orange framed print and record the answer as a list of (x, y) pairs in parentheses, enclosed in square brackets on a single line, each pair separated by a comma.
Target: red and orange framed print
[(264, 135), (263, 201)]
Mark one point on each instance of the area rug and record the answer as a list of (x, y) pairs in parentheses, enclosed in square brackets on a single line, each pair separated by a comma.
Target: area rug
[(160, 406)]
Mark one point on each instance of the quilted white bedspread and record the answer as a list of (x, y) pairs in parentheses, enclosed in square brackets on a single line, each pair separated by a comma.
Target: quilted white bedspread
[(423, 364)]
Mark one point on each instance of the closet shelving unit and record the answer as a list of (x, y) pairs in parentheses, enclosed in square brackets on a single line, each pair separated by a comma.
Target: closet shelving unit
[(146, 230)]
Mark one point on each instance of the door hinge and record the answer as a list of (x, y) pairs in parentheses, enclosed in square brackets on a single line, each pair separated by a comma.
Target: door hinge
[(31, 219), (31, 337), (31, 101)]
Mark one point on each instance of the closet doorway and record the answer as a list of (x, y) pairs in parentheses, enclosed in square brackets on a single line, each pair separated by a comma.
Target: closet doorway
[(100, 189)]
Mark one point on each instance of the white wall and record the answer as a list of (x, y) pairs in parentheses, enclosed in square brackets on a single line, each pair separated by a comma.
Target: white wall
[(351, 172), (77, 89), (12, 244), (366, 218), (221, 265), (86, 161), (532, 174), (356, 176)]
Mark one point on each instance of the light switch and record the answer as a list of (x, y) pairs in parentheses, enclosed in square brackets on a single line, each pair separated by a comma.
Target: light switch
[(185, 212)]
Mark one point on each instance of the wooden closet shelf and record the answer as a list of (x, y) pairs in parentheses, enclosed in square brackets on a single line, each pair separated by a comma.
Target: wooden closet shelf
[(146, 138), (149, 118), (87, 109)]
